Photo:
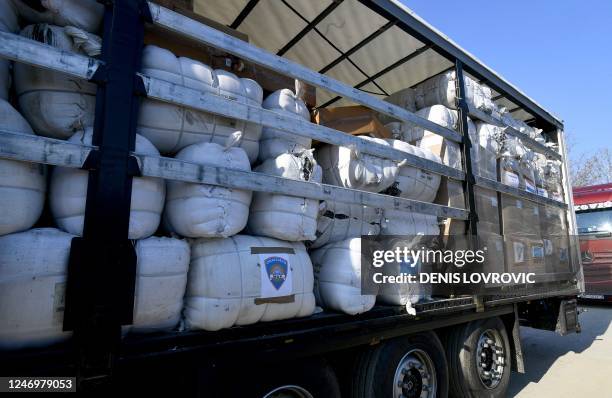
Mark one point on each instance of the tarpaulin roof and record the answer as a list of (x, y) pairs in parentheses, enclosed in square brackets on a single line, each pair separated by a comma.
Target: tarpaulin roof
[(378, 46)]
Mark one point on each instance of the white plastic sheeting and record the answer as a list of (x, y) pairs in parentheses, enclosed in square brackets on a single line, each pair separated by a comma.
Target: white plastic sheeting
[(171, 128), (405, 98), (68, 193), (486, 147), (286, 217), (33, 273), (442, 89), (347, 167), (227, 286), (22, 184), (84, 14), (8, 23), (275, 142), (161, 278), (339, 221), (449, 151), (402, 222), (338, 278), (412, 182), (201, 210), (55, 104)]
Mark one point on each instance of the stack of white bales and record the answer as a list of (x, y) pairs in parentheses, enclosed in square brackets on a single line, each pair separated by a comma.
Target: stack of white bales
[(256, 283)]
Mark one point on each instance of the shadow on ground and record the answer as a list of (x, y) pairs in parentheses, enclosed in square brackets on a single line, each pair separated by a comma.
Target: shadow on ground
[(543, 348)]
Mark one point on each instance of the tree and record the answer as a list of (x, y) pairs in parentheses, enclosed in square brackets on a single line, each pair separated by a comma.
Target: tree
[(591, 169)]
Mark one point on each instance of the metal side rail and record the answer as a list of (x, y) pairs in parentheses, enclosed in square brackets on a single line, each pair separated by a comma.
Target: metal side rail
[(202, 33), (33, 148), (519, 193), (476, 113), (31, 52)]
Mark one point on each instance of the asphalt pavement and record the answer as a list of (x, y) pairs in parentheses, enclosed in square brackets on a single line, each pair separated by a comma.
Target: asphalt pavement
[(576, 365)]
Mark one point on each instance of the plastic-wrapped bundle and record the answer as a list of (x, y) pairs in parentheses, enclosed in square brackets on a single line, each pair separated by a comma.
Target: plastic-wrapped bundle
[(8, 23), (527, 167), (538, 174), (404, 222), (68, 193), (33, 274), (486, 146), (171, 127), (405, 98), (83, 14), (441, 89), (553, 174), (412, 182), (208, 211), (347, 167), (55, 104), (22, 184), (520, 126), (510, 171), (161, 278), (337, 269), (281, 216), (339, 221), (259, 280), (274, 142), (438, 114)]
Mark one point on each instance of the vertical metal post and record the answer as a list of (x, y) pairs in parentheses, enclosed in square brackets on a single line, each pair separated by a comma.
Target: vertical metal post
[(469, 182), (102, 267)]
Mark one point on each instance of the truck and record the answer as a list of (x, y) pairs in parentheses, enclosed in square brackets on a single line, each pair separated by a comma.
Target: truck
[(337, 52), (593, 214)]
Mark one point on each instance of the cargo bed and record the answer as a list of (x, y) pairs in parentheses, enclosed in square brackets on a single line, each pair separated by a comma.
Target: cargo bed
[(113, 156)]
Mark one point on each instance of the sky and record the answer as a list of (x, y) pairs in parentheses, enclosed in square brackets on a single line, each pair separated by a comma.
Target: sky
[(557, 52)]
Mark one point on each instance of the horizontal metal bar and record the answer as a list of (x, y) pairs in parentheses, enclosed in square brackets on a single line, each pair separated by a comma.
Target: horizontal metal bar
[(519, 193), (36, 149), (174, 169), (476, 113), (211, 102), (32, 148), (178, 23), (20, 49)]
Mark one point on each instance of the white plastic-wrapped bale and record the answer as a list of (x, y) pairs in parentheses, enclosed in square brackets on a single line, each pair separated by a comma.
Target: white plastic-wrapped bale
[(83, 14), (337, 268), (200, 210), (412, 182), (403, 293), (8, 23), (448, 150), (68, 194), (22, 184), (275, 142), (519, 125), (33, 274), (510, 172), (403, 222), (527, 167), (56, 104), (339, 221), (286, 217), (405, 98), (349, 168), (247, 279), (486, 145), (539, 174), (171, 127), (442, 89), (33, 270), (161, 278)]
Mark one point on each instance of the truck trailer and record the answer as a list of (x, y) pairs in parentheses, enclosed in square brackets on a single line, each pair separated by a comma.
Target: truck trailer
[(344, 75)]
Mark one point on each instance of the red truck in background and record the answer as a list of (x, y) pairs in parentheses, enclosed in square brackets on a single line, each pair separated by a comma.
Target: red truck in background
[(593, 205)]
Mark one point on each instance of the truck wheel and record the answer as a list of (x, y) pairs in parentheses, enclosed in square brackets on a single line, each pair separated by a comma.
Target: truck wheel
[(478, 356), (412, 366), (303, 378)]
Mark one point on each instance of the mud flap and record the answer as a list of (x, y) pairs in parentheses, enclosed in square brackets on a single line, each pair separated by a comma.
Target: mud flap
[(567, 321)]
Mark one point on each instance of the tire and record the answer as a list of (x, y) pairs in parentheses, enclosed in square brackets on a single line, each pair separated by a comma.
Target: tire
[(378, 369), (300, 378), (464, 350)]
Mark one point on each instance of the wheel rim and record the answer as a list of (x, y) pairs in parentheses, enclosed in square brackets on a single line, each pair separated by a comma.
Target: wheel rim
[(289, 391), (490, 358), (415, 376)]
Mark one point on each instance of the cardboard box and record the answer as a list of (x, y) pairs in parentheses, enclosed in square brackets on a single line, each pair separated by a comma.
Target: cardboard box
[(520, 217), (354, 120)]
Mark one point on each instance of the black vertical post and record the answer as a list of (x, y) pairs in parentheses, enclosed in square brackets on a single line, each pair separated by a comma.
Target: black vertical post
[(463, 110), (102, 267)]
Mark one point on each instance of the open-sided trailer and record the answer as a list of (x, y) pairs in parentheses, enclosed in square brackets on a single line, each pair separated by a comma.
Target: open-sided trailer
[(367, 351)]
